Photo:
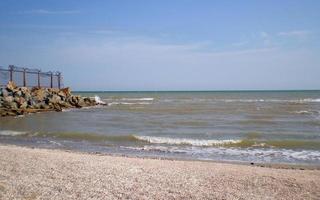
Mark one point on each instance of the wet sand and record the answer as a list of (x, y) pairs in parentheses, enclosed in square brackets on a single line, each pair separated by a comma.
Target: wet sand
[(27, 173)]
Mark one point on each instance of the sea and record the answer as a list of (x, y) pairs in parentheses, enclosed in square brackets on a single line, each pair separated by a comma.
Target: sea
[(236, 126)]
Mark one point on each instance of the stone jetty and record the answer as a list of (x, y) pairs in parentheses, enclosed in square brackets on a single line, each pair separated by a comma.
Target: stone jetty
[(22, 100)]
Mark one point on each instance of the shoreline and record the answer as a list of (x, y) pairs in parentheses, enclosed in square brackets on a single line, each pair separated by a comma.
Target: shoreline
[(292, 166), (38, 173)]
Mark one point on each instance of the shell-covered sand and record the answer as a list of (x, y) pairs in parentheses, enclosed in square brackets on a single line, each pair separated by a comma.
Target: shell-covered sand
[(27, 173)]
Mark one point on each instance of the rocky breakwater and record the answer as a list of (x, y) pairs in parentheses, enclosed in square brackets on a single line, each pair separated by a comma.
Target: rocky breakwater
[(21, 100)]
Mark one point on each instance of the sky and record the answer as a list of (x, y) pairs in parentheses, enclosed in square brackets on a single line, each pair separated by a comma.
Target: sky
[(166, 45)]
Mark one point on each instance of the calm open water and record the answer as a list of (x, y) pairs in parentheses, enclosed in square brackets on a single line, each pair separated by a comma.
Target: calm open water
[(265, 127)]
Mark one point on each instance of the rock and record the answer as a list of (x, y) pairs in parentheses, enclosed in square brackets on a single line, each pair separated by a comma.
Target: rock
[(11, 86), (66, 91), (43, 105), (7, 101), (24, 90), (40, 94), (24, 105), (5, 92), (19, 100), (17, 93), (81, 103)]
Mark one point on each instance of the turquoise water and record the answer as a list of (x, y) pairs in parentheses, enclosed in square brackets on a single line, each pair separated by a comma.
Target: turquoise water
[(255, 126)]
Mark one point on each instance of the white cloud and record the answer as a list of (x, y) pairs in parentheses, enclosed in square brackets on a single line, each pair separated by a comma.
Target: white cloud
[(50, 12), (295, 33)]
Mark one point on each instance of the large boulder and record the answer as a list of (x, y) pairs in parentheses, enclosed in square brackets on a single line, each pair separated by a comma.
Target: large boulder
[(55, 99), (40, 94), (11, 86), (24, 105), (65, 92), (5, 92), (8, 102)]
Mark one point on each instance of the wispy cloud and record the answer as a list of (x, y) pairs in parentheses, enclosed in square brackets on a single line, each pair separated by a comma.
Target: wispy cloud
[(295, 33), (50, 12), (238, 44)]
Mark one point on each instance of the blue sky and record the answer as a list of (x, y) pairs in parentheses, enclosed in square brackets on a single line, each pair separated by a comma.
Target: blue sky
[(166, 45)]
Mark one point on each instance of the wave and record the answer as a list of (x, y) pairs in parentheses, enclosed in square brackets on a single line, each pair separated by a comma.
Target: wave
[(272, 100), (128, 103), (200, 100), (307, 112), (249, 154), (12, 133), (134, 138), (184, 141), (99, 101), (89, 137), (252, 141), (138, 99), (244, 143)]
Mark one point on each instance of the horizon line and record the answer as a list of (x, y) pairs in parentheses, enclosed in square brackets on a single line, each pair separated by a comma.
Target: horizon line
[(268, 90)]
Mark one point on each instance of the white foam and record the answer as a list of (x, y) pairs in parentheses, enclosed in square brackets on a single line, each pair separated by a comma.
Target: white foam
[(12, 133), (99, 101), (177, 141), (243, 100), (262, 155), (19, 116), (307, 112), (128, 103), (271, 100), (138, 99), (312, 100)]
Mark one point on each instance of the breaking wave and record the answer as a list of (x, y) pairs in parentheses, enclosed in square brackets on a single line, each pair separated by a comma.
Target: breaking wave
[(183, 141), (244, 143), (307, 112), (99, 101), (250, 142), (138, 99), (128, 103), (272, 100), (243, 154), (12, 133)]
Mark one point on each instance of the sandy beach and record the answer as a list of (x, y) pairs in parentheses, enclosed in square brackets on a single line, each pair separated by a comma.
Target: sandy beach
[(27, 173)]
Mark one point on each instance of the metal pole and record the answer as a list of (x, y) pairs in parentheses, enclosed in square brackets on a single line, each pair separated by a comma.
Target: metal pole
[(38, 78), (24, 77), (51, 80), (59, 80), (11, 72)]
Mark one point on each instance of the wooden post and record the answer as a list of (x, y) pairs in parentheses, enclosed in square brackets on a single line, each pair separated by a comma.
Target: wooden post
[(39, 79), (51, 80), (24, 77), (11, 72)]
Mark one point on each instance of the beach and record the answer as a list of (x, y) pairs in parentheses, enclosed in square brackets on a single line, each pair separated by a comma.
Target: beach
[(33, 173)]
